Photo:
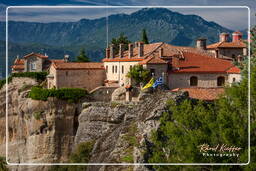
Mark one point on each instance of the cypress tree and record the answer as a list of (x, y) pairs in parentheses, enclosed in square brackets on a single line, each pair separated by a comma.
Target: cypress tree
[(82, 57), (144, 37)]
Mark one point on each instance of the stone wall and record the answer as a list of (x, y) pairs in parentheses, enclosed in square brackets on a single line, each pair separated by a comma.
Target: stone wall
[(102, 93), (37, 61), (204, 80), (88, 79), (231, 52), (159, 69)]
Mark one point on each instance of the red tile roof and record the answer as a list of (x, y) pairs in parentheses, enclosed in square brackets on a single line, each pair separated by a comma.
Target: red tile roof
[(238, 44), (200, 63), (18, 64), (78, 65), (36, 54), (234, 70), (208, 94)]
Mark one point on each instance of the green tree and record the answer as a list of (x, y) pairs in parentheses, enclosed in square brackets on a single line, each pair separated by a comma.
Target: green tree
[(139, 74), (144, 37), (3, 164), (121, 39), (82, 57)]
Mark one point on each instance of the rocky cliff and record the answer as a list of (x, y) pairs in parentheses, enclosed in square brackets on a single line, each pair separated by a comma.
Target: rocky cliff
[(48, 131)]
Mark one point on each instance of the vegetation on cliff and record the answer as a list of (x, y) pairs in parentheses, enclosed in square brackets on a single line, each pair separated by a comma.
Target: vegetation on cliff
[(80, 155), (3, 164), (70, 94), (190, 124)]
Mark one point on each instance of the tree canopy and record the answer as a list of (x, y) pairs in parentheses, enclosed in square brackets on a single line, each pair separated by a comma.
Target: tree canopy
[(139, 74), (82, 57), (144, 37), (121, 39), (190, 123)]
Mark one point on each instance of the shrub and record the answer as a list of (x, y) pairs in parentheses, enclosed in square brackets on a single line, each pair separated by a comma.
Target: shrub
[(70, 94), (80, 155), (38, 115), (139, 74)]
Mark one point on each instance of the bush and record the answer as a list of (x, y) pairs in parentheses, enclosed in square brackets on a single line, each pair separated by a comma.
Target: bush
[(80, 155), (139, 74), (70, 94)]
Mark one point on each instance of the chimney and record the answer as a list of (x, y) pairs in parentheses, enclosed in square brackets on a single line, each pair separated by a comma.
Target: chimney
[(121, 50), (111, 51), (239, 58), (201, 43), (236, 36), (140, 49), (66, 58), (224, 37), (130, 49), (136, 44), (107, 52), (161, 52)]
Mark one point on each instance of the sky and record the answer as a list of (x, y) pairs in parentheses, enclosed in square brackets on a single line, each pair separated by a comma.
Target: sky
[(235, 19)]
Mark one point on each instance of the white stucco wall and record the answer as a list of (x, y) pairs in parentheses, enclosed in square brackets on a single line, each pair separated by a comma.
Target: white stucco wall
[(118, 76), (234, 78)]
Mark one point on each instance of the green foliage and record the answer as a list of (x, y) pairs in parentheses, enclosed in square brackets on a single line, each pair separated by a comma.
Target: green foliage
[(39, 76), (3, 164), (144, 37), (121, 39), (82, 57), (70, 94), (80, 155), (139, 74), (190, 124), (38, 115)]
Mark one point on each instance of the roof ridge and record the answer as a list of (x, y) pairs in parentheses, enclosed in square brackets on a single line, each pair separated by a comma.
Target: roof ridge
[(154, 49)]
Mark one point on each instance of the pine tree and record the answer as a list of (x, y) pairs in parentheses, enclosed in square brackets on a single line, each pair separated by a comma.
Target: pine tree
[(121, 39), (144, 37), (82, 57)]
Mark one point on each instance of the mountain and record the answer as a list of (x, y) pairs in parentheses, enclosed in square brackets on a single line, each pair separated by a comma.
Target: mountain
[(58, 38)]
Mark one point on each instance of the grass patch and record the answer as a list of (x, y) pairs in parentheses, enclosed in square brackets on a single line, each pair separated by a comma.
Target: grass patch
[(81, 154), (128, 158), (130, 135), (69, 94), (114, 104), (38, 115)]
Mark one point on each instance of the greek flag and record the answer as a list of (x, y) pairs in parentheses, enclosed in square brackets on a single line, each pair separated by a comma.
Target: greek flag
[(158, 82)]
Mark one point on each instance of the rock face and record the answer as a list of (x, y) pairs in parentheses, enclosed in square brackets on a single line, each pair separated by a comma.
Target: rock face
[(39, 131), (120, 129), (48, 131)]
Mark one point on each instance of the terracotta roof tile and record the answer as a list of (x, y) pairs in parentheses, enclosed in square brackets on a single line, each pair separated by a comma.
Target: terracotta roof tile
[(234, 70), (77, 65), (194, 62), (238, 44), (202, 93), (36, 54)]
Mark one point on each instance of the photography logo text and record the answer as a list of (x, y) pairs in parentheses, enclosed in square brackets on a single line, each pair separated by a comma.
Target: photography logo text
[(220, 150)]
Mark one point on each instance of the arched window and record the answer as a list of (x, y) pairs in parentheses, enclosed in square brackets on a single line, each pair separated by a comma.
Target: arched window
[(234, 80), (193, 81), (220, 81)]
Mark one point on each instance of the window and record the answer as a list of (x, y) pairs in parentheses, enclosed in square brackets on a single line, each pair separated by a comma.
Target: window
[(116, 68), (234, 80), (220, 81), (113, 69), (106, 68), (33, 66), (193, 81), (122, 69), (233, 56), (130, 67), (66, 73)]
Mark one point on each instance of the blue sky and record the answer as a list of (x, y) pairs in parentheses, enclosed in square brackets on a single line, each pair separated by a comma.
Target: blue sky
[(235, 19)]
